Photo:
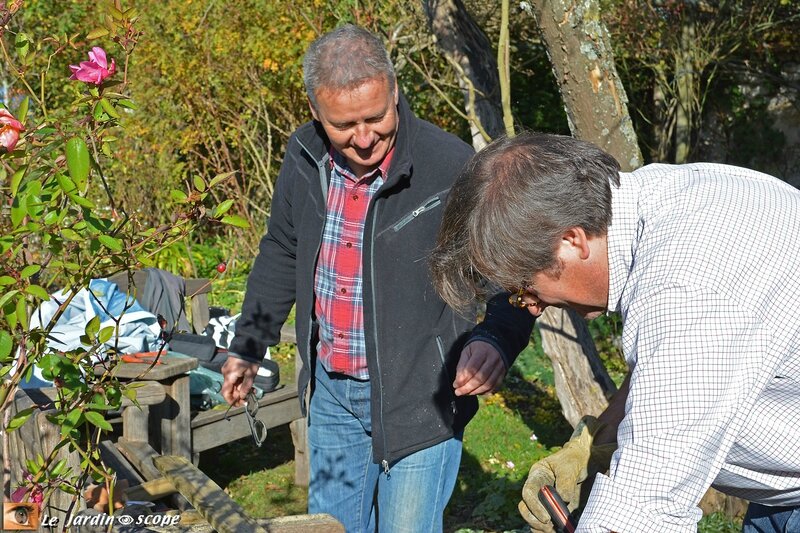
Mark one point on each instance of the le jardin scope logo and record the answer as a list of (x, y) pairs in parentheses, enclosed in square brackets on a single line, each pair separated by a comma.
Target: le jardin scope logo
[(20, 516)]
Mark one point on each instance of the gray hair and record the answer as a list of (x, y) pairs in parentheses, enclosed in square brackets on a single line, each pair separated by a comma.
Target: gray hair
[(345, 58), (509, 208)]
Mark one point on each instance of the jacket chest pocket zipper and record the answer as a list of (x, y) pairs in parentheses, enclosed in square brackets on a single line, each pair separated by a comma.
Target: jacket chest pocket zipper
[(428, 205), (440, 345)]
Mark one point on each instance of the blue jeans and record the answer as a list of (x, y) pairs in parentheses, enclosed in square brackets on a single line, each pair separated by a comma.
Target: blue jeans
[(763, 519), (346, 483)]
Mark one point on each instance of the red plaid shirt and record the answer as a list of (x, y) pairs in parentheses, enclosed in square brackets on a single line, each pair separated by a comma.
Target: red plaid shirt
[(339, 305)]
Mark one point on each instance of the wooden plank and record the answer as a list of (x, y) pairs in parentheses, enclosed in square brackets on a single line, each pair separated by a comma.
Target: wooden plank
[(318, 523), (271, 398), (288, 334), (197, 286), (152, 490), (302, 465), (118, 464), (224, 514), (170, 366), (135, 423), (212, 430), (50, 436), (299, 429), (148, 393), (140, 455), (175, 416), (200, 313), (310, 523), (122, 280)]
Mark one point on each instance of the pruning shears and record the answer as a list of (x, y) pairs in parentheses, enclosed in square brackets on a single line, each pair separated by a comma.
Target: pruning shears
[(149, 358)]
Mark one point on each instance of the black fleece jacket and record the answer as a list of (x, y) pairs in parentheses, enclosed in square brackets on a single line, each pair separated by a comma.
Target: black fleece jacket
[(413, 339)]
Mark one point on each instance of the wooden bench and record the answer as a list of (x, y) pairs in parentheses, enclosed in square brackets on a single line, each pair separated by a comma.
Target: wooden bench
[(174, 430), (38, 436)]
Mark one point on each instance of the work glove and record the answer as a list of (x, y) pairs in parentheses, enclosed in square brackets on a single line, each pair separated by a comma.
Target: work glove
[(570, 470)]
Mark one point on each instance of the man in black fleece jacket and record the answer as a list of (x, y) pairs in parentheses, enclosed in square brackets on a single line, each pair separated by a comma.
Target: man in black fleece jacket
[(393, 370)]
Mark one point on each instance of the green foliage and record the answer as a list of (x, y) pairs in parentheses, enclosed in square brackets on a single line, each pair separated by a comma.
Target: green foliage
[(61, 229), (748, 134), (735, 42), (719, 523), (606, 331), (241, 94)]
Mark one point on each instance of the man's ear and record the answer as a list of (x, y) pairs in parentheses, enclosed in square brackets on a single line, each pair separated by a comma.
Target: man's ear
[(577, 239), (313, 111)]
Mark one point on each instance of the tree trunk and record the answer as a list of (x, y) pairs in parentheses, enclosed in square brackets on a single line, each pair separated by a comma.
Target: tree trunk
[(684, 74), (582, 384), (597, 109), (464, 44), (594, 98)]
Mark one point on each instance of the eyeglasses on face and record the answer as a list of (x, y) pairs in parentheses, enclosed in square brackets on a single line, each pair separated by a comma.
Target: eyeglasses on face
[(520, 300)]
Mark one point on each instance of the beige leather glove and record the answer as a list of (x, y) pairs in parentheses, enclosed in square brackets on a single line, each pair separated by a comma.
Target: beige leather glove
[(571, 470)]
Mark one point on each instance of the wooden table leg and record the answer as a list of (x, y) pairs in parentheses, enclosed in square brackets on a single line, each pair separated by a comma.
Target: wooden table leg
[(175, 416)]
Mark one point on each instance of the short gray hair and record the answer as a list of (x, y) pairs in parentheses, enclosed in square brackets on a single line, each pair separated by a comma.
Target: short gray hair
[(345, 58), (510, 206)]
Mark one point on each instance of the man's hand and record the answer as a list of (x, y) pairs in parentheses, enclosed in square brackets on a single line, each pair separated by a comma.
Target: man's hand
[(567, 469), (480, 369), (239, 375)]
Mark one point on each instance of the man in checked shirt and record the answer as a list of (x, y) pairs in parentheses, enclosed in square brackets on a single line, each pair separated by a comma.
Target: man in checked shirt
[(702, 261), (393, 371)]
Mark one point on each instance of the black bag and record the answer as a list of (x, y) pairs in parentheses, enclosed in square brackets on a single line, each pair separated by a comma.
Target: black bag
[(201, 347)]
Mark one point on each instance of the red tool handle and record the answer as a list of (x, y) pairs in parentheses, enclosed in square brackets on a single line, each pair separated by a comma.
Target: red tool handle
[(557, 509)]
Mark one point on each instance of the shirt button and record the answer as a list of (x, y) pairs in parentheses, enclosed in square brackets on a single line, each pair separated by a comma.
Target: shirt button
[(343, 291), (340, 335), (349, 245), (355, 197)]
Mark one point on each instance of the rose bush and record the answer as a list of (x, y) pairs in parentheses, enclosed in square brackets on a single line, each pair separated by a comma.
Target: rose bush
[(60, 227)]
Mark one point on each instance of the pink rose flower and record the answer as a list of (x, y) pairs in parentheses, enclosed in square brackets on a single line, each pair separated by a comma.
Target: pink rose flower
[(9, 130), (34, 494), (96, 69)]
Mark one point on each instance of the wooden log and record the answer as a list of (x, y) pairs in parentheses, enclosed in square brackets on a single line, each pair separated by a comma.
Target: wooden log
[(224, 514)]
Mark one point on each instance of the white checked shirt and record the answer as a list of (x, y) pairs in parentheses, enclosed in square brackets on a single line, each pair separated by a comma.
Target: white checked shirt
[(704, 267)]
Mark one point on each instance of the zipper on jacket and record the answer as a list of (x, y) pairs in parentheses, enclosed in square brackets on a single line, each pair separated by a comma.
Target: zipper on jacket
[(324, 184), (440, 346), (429, 204), (384, 461)]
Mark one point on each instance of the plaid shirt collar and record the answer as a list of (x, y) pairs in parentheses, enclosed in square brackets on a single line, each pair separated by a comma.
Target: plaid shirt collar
[(339, 162)]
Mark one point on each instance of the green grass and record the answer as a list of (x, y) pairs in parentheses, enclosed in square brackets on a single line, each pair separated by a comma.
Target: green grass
[(514, 428)]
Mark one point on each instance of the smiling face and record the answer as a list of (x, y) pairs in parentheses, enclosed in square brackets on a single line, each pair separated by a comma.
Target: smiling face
[(581, 282), (361, 123)]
